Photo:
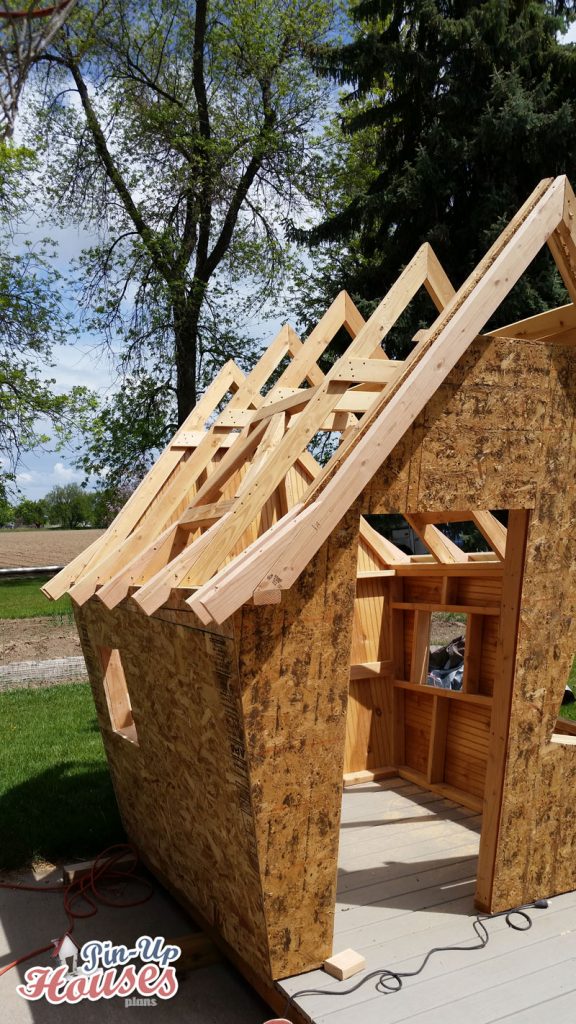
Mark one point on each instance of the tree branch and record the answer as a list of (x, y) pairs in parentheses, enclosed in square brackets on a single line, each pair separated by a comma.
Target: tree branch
[(111, 169), (225, 237)]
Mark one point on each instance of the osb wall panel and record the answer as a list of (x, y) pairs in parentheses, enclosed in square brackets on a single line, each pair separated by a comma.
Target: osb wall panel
[(477, 443), (537, 847), (500, 434), (184, 791), (294, 665)]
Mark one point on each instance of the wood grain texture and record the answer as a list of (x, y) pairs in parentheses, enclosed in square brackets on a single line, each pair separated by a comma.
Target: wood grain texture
[(184, 791)]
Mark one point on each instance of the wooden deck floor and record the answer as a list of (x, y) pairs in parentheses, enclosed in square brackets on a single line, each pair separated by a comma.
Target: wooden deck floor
[(407, 871)]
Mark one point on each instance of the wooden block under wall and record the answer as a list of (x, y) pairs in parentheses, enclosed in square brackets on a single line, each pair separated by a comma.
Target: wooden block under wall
[(345, 964), (373, 775)]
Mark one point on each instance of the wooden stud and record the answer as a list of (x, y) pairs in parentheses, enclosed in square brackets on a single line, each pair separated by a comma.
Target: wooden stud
[(420, 646), (473, 653), (500, 722)]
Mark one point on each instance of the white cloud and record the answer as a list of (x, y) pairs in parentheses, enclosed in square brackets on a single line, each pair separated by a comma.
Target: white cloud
[(62, 472), (24, 478)]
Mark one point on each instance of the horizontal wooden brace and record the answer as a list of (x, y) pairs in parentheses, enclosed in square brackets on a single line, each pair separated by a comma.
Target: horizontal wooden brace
[(375, 574), (378, 371), (366, 669), (456, 609), (439, 691), (291, 403), (192, 438), (203, 515), (436, 569)]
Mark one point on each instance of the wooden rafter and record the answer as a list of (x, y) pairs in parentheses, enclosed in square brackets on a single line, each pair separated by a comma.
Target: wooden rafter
[(122, 572), (276, 564), (321, 404), (439, 545), (228, 379), (140, 549)]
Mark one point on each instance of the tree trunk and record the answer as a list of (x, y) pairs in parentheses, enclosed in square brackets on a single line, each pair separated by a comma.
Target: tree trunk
[(186, 311)]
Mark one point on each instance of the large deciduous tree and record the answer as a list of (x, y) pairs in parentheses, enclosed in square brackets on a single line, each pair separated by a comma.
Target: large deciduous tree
[(189, 144), (458, 109)]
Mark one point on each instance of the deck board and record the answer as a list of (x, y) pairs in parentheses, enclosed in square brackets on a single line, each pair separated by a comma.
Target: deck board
[(406, 879)]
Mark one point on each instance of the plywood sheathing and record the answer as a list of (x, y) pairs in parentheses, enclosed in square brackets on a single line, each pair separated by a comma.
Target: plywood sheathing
[(294, 666), (234, 790), (183, 791), (500, 434), (537, 839)]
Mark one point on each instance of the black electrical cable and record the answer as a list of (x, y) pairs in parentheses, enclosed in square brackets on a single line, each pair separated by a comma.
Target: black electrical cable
[(389, 981)]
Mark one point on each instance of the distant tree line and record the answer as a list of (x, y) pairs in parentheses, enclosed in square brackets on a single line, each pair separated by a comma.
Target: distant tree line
[(68, 506)]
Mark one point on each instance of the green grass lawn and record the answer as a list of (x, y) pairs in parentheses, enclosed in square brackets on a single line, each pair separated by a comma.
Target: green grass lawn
[(56, 796), (569, 710), (22, 599)]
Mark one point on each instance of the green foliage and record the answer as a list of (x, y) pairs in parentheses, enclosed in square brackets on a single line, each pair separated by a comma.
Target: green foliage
[(56, 796), (68, 506), (106, 503), (459, 110), (23, 599), (32, 321), (31, 513), (6, 511), (192, 144)]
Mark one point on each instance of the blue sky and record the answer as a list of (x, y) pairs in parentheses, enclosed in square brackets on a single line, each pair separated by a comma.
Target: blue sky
[(84, 363)]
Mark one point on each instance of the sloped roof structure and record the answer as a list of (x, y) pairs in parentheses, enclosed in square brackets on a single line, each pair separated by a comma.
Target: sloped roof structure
[(236, 506)]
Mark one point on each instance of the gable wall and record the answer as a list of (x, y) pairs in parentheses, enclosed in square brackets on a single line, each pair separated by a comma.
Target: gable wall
[(500, 434)]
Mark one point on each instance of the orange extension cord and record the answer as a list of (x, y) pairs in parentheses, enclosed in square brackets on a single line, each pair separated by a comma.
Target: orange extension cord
[(91, 890)]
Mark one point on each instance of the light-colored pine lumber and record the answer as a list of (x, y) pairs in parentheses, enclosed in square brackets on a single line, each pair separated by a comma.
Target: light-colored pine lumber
[(492, 530), (562, 243), (500, 722), (324, 401), (439, 545), (203, 515), (377, 371), (229, 378), (454, 330), (366, 669), (542, 326), (420, 646)]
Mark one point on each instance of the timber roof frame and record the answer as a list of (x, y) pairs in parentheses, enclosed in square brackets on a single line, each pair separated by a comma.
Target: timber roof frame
[(201, 519)]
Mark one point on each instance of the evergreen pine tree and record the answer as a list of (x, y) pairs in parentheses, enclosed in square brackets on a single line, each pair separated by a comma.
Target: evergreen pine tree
[(466, 106)]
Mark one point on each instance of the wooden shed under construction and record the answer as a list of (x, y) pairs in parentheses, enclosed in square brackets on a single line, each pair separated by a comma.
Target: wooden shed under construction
[(253, 637)]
